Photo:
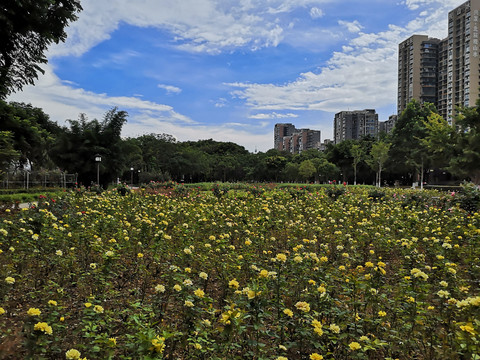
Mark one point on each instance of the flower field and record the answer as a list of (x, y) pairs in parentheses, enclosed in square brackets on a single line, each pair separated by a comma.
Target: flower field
[(277, 274)]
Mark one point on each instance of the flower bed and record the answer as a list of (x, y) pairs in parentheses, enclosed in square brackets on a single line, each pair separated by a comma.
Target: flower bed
[(269, 275)]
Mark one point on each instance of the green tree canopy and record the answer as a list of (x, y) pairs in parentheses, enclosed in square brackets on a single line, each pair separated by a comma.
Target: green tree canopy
[(8, 154), (408, 153), (378, 157), (306, 170), (33, 133), (465, 160), (27, 28), (77, 146)]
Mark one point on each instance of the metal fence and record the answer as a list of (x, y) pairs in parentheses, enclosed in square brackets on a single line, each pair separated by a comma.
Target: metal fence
[(43, 179)]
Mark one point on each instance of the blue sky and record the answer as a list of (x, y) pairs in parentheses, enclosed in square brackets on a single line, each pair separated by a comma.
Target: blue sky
[(229, 70)]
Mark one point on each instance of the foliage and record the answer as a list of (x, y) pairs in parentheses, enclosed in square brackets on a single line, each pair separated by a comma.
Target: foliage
[(469, 198), (378, 157), (33, 133), (334, 192), (358, 155), (466, 159), (408, 153), (306, 170), (376, 194), (76, 147), (439, 140), (27, 29), (8, 154)]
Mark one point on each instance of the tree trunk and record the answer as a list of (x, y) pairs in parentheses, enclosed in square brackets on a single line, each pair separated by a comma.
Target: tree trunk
[(421, 177), (380, 176)]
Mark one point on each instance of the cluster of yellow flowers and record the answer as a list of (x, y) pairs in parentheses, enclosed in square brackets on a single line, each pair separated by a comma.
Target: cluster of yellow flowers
[(303, 306)]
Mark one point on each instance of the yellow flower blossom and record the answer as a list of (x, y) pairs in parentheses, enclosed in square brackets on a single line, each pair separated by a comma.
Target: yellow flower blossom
[(288, 312), (199, 293), (73, 354), (263, 273), (158, 344), (334, 328), (44, 327), (316, 356), (233, 284), (34, 312), (160, 288), (468, 328), (303, 306), (10, 280), (354, 346), (281, 257)]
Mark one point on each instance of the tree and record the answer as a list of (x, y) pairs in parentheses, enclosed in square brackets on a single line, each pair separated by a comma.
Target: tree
[(306, 169), (325, 169), (465, 160), (8, 154), (290, 173), (440, 140), (27, 28), (33, 133), (378, 157), (76, 147), (340, 155), (408, 153), (275, 164), (358, 154)]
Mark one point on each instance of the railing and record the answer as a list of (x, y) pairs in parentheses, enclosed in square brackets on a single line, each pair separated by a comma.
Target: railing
[(44, 179)]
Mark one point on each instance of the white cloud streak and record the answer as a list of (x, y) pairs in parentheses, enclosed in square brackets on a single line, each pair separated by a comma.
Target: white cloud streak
[(170, 89), (352, 26), (273, 115)]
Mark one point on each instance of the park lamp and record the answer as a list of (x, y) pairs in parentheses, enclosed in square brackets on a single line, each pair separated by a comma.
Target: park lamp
[(98, 159)]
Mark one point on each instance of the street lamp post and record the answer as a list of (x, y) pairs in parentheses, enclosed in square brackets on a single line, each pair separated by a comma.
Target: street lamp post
[(131, 176), (98, 160)]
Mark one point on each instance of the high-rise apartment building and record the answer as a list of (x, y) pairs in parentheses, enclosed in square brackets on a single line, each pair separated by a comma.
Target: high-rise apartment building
[(463, 61), (355, 124), (288, 138), (417, 70), (387, 125), (279, 132), (443, 72)]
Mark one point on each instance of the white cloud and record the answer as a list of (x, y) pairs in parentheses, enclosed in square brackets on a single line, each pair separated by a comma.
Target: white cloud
[(362, 75), (170, 89), (220, 103), (316, 13), (62, 101), (352, 26), (117, 59), (272, 115), (208, 26)]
